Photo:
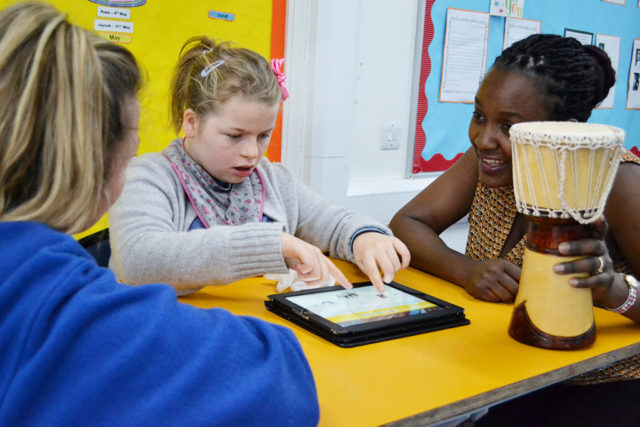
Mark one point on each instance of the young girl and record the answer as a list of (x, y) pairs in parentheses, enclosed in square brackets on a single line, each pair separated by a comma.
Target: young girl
[(210, 209)]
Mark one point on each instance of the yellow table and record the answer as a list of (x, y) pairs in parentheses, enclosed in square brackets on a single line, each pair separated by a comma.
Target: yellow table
[(435, 376)]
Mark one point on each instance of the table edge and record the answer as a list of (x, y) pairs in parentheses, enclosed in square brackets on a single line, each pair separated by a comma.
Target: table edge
[(516, 389)]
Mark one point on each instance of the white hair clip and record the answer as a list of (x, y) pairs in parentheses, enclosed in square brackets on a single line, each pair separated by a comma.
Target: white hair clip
[(209, 68)]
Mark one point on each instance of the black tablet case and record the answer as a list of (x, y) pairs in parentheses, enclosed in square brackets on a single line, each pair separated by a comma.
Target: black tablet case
[(454, 316)]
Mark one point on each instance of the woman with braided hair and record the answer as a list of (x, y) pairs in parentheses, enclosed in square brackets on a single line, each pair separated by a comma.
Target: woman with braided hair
[(541, 78)]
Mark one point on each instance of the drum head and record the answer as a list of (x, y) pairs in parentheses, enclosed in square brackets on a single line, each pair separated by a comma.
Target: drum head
[(564, 169)]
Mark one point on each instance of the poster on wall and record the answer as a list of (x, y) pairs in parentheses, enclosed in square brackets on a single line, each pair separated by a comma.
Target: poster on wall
[(633, 96), (583, 37), (611, 45), (465, 54), (513, 8), (516, 29)]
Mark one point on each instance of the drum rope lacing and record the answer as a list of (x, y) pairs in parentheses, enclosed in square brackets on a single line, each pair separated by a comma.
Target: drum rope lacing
[(590, 186)]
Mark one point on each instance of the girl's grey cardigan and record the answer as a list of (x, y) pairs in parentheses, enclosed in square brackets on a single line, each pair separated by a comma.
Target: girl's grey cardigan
[(150, 241)]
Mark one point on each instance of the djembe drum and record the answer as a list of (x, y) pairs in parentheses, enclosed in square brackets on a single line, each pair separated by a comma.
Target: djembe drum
[(562, 175)]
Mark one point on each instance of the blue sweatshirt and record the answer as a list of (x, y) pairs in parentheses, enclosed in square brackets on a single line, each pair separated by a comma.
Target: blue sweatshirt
[(77, 347)]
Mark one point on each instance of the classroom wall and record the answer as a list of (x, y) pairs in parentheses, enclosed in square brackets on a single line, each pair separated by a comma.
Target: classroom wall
[(350, 65), (350, 68)]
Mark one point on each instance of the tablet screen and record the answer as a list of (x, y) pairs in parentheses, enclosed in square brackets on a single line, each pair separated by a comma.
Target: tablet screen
[(348, 307)]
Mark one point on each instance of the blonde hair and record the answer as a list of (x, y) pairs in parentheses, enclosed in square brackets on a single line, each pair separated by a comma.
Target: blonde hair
[(59, 130), (242, 72)]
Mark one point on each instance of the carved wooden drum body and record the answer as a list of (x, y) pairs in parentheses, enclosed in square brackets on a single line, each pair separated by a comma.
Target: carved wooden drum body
[(562, 175)]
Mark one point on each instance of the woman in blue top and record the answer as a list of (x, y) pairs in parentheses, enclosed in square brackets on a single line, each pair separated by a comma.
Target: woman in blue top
[(77, 346)]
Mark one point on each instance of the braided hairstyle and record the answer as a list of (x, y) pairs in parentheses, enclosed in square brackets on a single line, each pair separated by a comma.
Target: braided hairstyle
[(576, 77)]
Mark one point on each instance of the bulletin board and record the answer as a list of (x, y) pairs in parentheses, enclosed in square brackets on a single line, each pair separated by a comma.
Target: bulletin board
[(441, 127), (154, 31)]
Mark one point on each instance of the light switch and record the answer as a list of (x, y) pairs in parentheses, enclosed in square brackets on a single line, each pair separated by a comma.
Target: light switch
[(390, 136)]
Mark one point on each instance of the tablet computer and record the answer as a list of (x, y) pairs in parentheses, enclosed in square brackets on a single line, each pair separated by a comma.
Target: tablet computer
[(362, 315)]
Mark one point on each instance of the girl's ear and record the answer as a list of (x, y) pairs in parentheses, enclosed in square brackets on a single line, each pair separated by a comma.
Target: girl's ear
[(190, 123)]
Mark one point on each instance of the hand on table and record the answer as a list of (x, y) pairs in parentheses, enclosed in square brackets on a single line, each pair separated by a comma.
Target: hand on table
[(312, 266), (375, 252), (494, 280)]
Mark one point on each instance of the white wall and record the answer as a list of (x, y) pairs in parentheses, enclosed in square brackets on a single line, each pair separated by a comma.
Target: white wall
[(349, 66)]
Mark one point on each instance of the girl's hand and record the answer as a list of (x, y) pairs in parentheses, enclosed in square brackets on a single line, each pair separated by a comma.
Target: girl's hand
[(310, 263), (375, 252), (596, 263), (494, 280)]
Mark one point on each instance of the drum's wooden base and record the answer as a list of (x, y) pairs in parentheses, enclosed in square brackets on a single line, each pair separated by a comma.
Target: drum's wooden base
[(548, 312), (523, 330)]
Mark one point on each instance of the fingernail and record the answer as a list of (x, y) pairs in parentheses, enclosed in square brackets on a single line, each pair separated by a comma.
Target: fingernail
[(573, 282), (558, 268), (563, 247)]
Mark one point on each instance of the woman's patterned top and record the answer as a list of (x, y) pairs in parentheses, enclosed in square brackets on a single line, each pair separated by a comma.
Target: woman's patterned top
[(491, 217)]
